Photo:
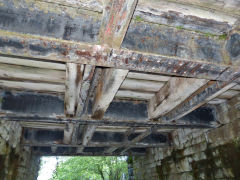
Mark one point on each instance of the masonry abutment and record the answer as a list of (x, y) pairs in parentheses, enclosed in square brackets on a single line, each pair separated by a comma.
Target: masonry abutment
[(197, 154)]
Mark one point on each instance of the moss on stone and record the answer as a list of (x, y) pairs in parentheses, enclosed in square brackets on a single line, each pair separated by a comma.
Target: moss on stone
[(138, 18)]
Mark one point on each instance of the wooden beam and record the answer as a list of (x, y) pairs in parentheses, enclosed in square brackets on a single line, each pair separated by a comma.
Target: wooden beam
[(107, 87), (98, 55), (15, 72), (117, 15), (205, 94), (38, 87), (33, 63), (175, 91), (74, 73)]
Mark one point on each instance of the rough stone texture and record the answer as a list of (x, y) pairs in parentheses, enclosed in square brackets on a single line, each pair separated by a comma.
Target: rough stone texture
[(15, 163), (199, 154)]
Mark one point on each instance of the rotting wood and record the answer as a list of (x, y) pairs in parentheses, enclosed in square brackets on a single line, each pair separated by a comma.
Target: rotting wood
[(175, 91), (108, 86), (74, 75)]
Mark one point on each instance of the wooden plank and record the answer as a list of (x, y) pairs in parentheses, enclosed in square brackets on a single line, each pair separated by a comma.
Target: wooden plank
[(74, 73), (117, 15), (108, 86), (33, 63), (125, 94), (141, 85), (175, 91), (38, 87), (13, 72), (205, 94), (150, 77)]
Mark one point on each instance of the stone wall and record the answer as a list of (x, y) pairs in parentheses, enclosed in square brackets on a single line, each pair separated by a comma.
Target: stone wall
[(199, 154), (16, 163)]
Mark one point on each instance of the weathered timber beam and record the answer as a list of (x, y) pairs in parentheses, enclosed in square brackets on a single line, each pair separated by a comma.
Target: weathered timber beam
[(74, 75), (185, 16), (229, 7), (107, 88), (21, 73), (60, 50), (104, 122), (116, 18), (33, 63), (208, 92), (175, 91), (38, 87)]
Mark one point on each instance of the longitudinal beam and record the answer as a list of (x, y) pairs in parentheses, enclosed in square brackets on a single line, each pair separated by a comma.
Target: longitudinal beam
[(208, 92), (175, 91), (97, 55)]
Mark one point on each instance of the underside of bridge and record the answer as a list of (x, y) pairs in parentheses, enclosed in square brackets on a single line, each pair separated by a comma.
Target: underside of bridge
[(116, 77)]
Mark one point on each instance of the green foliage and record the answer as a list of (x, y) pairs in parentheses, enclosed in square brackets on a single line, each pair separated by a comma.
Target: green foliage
[(91, 168)]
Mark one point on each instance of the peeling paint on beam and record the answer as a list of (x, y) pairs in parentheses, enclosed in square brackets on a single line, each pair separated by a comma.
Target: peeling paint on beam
[(68, 51)]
